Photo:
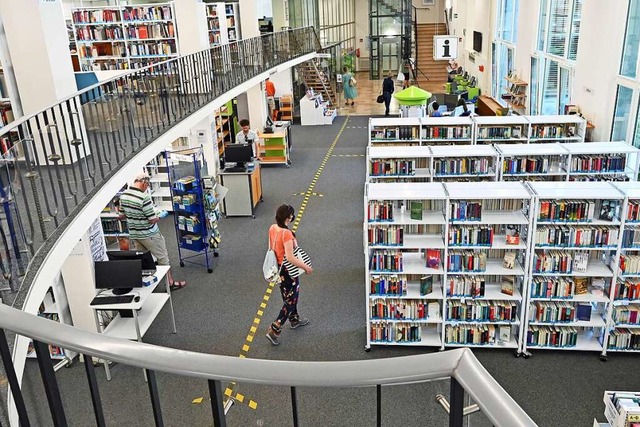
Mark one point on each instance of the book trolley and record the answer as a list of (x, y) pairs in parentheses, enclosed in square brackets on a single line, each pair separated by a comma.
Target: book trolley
[(195, 205)]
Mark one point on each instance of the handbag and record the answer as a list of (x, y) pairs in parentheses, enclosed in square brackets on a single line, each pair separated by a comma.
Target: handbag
[(380, 99), (400, 76), (353, 82), (293, 270), (270, 268)]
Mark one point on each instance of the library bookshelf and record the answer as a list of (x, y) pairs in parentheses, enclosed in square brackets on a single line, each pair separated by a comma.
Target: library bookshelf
[(124, 37), (503, 130), (559, 128), (222, 19), (421, 131), (577, 228)]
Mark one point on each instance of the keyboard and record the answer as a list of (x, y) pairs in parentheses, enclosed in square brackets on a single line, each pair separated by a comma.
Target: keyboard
[(112, 299), (235, 169), (148, 272)]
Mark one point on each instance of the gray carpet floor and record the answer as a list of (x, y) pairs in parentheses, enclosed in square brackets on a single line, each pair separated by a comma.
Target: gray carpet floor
[(215, 312)]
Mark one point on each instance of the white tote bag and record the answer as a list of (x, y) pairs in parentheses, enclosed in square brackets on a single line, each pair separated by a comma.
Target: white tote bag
[(270, 268)]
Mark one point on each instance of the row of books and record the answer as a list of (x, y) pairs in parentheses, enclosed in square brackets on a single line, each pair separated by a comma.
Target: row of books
[(392, 235), (98, 16), (477, 334), (96, 51), (618, 177), (553, 131), (380, 211), (214, 38), (630, 264), (89, 33), (146, 13), (393, 285), (213, 24), (464, 210), (392, 167), (501, 132), (151, 31), (552, 336), (595, 237), (466, 261), (446, 132), (566, 210), (559, 287), (526, 165), (482, 311), (395, 133), (627, 314), (395, 332), (624, 339), (465, 286), (189, 223), (383, 260), (154, 48), (6, 117), (185, 199), (481, 235), (390, 309), (599, 163), (559, 311), (114, 226), (627, 290), (633, 211), (467, 165), (560, 262)]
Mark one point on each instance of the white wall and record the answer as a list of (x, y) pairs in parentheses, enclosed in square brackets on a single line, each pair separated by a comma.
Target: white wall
[(428, 14), (362, 27), (191, 20), (264, 8), (282, 82)]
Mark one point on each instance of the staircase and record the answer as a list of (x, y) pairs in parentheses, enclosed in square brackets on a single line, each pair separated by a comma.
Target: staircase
[(316, 79), (435, 70)]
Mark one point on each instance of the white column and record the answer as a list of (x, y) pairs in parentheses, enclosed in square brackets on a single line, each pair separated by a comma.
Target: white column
[(256, 101), (204, 134), (280, 9), (39, 48), (248, 19), (191, 20)]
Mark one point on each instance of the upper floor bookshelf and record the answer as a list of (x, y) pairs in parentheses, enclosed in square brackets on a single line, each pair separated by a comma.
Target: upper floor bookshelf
[(222, 23), (476, 130), (124, 37)]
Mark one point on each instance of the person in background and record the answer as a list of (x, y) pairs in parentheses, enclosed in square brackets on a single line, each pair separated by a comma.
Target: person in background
[(348, 86), (387, 90), (270, 90), (247, 136), (461, 108), (142, 220), (283, 241), (435, 107), (406, 71)]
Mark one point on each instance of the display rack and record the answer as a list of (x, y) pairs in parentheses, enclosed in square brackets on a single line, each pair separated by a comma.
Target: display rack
[(314, 110), (577, 230), (621, 409), (123, 37), (224, 127), (516, 94), (195, 205), (403, 223), (286, 108)]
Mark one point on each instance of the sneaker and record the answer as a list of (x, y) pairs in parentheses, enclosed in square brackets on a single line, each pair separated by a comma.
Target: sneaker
[(300, 321), (271, 336)]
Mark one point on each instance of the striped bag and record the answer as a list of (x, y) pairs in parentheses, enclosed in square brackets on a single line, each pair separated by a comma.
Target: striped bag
[(293, 270)]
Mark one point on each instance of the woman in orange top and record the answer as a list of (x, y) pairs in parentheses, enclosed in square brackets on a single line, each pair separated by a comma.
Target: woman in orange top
[(283, 241)]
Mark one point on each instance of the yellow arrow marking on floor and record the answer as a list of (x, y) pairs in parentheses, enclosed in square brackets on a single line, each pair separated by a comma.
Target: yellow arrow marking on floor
[(260, 312), (348, 155)]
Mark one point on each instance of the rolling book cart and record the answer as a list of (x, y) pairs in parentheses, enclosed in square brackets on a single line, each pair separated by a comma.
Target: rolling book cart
[(195, 205)]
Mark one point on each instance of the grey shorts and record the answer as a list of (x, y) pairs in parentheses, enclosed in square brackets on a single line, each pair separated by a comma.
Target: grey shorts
[(156, 245)]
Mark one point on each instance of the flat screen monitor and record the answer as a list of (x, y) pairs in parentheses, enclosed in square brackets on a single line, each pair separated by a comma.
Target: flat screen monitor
[(451, 101), (145, 256), (120, 276), (238, 154), (477, 41)]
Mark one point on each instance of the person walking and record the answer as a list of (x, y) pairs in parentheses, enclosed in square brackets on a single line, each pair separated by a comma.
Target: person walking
[(348, 86), (283, 241), (142, 221), (387, 90), (406, 72), (270, 90)]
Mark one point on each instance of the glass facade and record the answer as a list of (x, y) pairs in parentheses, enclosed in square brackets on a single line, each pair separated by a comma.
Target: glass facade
[(503, 49), (629, 64), (622, 113), (334, 20)]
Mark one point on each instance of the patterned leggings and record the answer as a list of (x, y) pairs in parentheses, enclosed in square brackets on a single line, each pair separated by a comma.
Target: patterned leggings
[(290, 290)]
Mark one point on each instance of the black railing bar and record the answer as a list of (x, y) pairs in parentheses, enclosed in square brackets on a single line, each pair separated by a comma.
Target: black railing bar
[(155, 397), (217, 407), (12, 379), (50, 384), (94, 390), (11, 126), (378, 405)]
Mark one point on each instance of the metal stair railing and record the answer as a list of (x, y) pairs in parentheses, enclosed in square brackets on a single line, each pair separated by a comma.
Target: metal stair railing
[(56, 159), (327, 90), (460, 366)]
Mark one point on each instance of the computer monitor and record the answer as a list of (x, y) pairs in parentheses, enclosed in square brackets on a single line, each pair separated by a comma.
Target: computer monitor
[(451, 101), (120, 276), (238, 154), (145, 256)]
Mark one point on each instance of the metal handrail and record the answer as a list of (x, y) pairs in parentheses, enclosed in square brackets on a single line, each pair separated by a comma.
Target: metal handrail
[(459, 364)]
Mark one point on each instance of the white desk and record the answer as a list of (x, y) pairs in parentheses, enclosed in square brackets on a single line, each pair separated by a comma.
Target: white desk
[(144, 311), (245, 191)]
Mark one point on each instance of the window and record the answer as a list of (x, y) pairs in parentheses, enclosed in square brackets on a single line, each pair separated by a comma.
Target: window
[(507, 29), (559, 27), (622, 113), (533, 103), (502, 49), (629, 63)]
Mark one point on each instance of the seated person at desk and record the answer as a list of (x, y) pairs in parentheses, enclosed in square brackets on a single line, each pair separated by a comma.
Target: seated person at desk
[(247, 136), (435, 107)]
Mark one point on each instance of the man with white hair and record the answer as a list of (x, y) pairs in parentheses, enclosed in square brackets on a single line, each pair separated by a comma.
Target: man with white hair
[(142, 221)]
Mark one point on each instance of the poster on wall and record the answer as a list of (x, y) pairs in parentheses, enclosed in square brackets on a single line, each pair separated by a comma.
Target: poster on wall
[(445, 48), (428, 2), (96, 241)]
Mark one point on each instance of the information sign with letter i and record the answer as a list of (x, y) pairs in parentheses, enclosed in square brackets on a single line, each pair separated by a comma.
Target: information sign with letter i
[(445, 48)]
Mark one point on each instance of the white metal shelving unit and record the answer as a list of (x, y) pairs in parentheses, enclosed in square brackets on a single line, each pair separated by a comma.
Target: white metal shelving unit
[(505, 129), (394, 325), (627, 164), (524, 162), (395, 163), (564, 211), (446, 130), (560, 128), (505, 205), (464, 162), (394, 132)]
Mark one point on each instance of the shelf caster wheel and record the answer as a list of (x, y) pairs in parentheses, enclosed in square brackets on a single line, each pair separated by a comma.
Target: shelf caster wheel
[(261, 199), (253, 216), (603, 358), (516, 354), (181, 263), (367, 349), (209, 270), (216, 254), (526, 355)]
